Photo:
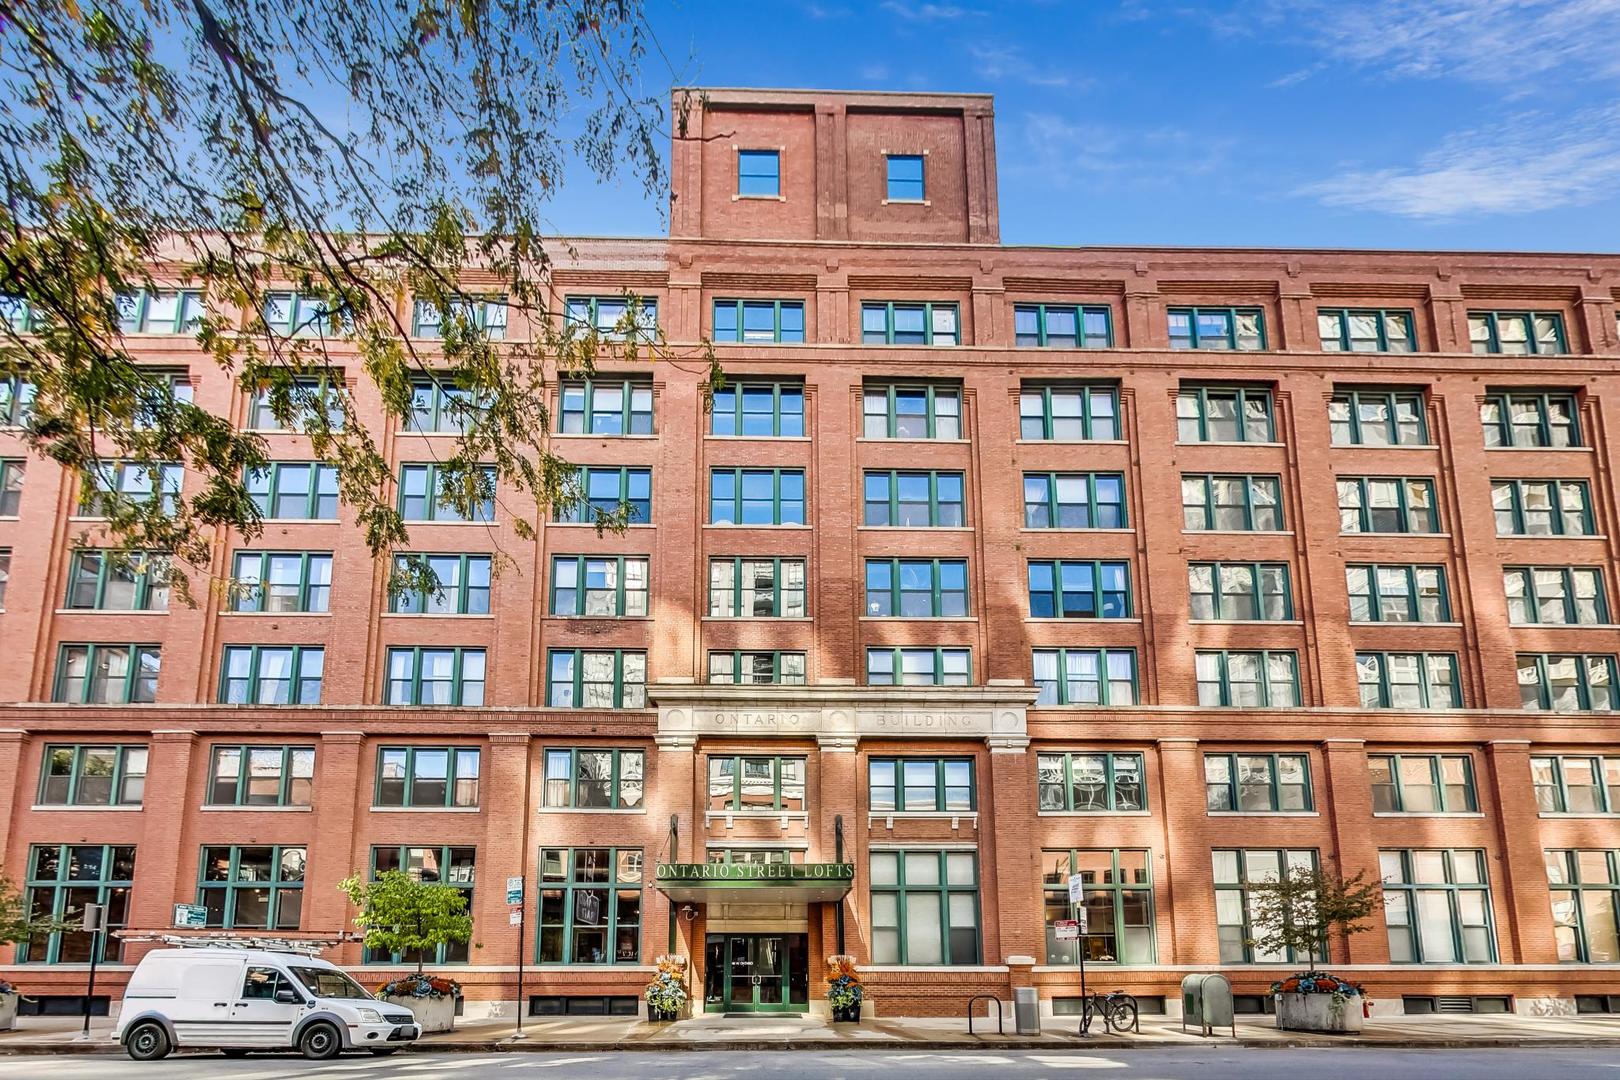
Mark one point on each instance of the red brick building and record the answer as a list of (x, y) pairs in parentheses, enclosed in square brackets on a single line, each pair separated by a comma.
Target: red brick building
[(993, 564)]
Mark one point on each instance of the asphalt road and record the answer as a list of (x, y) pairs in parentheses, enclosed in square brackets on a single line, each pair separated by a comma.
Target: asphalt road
[(1193, 1063)]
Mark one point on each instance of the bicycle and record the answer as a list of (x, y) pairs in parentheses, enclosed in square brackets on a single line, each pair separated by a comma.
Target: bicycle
[(1117, 1009)]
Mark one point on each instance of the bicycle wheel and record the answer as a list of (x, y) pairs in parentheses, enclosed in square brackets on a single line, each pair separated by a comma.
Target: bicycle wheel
[(1121, 1014)]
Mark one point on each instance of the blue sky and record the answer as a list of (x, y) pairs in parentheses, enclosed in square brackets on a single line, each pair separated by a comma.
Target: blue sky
[(1469, 124)]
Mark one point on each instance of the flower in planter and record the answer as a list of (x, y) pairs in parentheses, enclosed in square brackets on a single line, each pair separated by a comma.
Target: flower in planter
[(422, 986), (1317, 982), (844, 989), (666, 993)]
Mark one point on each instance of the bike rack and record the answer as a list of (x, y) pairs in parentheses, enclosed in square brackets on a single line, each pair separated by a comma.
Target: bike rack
[(1001, 1024)]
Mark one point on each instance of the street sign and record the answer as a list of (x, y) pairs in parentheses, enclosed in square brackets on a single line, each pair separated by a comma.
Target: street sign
[(190, 916), (514, 918), (514, 890), (1067, 929), (1084, 920), (1077, 888)]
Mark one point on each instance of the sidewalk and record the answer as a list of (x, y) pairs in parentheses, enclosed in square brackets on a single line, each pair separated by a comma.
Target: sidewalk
[(60, 1035)]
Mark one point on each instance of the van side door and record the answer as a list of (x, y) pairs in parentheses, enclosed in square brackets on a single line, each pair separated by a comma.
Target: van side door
[(266, 1009)]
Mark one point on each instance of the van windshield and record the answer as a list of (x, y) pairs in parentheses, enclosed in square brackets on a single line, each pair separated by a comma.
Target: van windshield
[(324, 983)]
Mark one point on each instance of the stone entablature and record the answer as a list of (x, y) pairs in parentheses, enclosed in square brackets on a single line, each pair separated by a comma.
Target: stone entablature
[(839, 716)]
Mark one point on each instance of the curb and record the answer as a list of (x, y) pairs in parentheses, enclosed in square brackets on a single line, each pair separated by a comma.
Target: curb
[(979, 1045)]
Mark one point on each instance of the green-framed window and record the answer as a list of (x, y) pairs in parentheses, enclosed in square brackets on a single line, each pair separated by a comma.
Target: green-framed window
[(1576, 784), (1397, 592), (1556, 595), (740, 856), (1068, 413), (749, 782), (1118, 898), (258, 887), (756, 497), (443, 864), (1063, 326), (173, 385), (1242, 328), (759, 321), (599, 586), (1567, 682), (759, 173), (925, 906), (118, 581), (1253, 679), (1219, 503), (759, 667), (1079, 590), (486, 314), (1531, 420), (1408, 680), (1235, 870), (424, 494), (135, 482), (1225, 414), (427, 776), (605, 405), (1378, 418), (1422, 783), (589, 906), (1239, 591), (596, 679), (103, 674), (81, 774), (1257, 783), (438, 406), (1542, 507), (1090, 782), (758, 410), (586, 778), (606, 491), (916, 588), (1387, 330), (5, 574), (291, 314), (1391, 504), (920, 784), (295, 491), (11, 485), (1517, 333), (763, 588), (611, 317), (18, 314), (900, 323), (1585, 887), (463, 584), (908, 500), (256, 774), (62, 878), (306, 397), (16, 399), (1086, 500), (895, 410), (271, 675), (281, 581), (905, 177), (1085, 676), (922, 666), (1437, 906), (161, 311), (435, 676)]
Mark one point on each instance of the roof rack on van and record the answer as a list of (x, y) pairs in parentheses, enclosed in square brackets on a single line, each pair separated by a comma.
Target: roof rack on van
[(304, 946)]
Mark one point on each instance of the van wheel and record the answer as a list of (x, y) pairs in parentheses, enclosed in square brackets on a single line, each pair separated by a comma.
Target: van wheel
[(320, 1041), (148, 1042), (235, 1052), (384, 1051)]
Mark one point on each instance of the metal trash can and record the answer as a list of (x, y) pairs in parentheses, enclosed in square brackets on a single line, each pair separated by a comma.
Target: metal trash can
[(1026, 1010)]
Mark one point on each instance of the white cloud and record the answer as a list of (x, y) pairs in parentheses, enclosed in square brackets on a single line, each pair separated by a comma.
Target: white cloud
[(999, 62), (912, 12), (1061, 153), (1520, 166)]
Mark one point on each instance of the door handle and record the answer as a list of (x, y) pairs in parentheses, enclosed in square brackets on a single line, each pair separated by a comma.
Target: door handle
[(221, 1004)]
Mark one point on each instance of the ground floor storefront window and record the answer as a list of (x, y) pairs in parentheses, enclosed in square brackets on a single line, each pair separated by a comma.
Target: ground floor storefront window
[(62, 878), (1118, 901), (1437, 905), (925, 907), (1585, 895), (590, 906)]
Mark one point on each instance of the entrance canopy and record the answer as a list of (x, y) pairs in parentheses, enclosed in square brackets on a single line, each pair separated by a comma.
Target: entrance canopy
[(755, 883)]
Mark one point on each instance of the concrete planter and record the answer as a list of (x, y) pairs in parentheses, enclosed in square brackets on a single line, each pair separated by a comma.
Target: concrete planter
[(8, 1011), (1327, 1013), (432, 1014)]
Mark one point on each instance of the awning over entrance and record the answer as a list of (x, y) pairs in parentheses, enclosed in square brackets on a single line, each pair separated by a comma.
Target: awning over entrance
[(755, 883)]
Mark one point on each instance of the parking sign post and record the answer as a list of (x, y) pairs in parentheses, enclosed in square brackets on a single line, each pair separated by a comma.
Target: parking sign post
[(514, 897)]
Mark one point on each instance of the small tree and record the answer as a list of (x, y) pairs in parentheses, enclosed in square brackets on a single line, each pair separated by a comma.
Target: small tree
[(1296, 911), (403, 914)]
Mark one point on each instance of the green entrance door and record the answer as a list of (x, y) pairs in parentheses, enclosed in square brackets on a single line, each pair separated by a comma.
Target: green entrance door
[(749, 973)]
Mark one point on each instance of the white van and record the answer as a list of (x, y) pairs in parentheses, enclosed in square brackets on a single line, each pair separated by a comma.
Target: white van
[(238, 1000)]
